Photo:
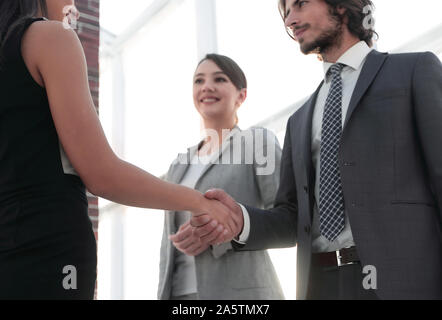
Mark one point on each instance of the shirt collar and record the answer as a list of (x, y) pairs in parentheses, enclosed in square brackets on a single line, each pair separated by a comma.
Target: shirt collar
[(353, 57)]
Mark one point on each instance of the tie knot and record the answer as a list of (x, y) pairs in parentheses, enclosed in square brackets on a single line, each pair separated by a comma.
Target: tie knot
[(335, 69)]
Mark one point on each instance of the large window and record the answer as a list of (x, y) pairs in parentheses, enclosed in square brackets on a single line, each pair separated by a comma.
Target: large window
[(157, 67)]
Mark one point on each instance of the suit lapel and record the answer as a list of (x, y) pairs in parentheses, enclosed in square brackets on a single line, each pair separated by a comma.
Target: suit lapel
[(176, 174), (206, 168), (226, 144), (304, 134), (182, 165), (371, 68), (306, 131), (305, 137), (179, 170)]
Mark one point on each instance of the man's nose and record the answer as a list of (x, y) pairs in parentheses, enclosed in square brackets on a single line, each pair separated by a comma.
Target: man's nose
[(292, 20)]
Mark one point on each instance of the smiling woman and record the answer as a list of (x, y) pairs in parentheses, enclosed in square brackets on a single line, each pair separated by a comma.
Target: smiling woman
[(219, 89), (195, 271)]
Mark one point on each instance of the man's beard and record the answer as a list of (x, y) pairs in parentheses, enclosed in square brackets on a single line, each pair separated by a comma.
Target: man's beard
[(324, 41)]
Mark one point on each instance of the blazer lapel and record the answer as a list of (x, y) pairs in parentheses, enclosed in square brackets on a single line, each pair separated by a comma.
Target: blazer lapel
[(226, 144), (182, 164), (178, 173), (305, 137), (371, 68), (306, 130), (175, 175)]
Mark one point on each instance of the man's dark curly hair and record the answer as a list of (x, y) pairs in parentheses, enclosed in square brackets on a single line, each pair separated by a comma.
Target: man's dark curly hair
[(354, 12)]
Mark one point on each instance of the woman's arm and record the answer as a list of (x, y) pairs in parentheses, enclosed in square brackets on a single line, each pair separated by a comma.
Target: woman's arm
[(60, 60)]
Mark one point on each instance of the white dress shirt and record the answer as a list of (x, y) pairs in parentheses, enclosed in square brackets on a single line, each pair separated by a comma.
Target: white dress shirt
[(353, 59)]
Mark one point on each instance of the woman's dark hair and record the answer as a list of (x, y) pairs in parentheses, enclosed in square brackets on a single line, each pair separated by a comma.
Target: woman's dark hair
[(230, 68), (354, 12), (14, 12)]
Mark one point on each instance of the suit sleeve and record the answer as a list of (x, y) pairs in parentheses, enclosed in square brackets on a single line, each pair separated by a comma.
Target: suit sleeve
[(276, 227), (427, 99)]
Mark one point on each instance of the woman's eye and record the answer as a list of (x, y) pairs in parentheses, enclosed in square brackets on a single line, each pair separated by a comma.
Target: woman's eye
[(302, 3), (198, 81), (220, 79)]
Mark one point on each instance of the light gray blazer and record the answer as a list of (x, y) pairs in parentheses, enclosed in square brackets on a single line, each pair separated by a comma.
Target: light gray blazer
[(222, 273)]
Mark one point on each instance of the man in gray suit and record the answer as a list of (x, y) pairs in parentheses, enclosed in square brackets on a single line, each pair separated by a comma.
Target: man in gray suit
[(361, 174)]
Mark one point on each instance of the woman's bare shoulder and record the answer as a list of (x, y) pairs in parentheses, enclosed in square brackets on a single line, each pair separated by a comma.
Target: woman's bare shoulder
[(50, 35), (49, 43)]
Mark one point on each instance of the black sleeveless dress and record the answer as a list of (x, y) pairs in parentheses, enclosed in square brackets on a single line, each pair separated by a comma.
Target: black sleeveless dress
[(47, 246)]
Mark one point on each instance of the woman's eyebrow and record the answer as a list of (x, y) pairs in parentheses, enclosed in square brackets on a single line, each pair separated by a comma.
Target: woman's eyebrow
[(215, 73)]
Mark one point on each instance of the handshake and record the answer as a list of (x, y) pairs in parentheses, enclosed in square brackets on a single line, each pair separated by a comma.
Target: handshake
[(221, 221)]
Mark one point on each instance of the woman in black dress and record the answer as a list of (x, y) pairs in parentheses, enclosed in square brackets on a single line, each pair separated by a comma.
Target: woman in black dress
[(52, 147)]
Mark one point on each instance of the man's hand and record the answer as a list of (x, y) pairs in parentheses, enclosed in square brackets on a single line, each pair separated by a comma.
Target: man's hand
[(202, 222), (214, 210)]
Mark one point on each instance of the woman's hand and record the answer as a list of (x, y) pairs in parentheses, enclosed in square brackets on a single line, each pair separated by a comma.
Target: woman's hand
[(225, 211), (214, 210), (186, 241)]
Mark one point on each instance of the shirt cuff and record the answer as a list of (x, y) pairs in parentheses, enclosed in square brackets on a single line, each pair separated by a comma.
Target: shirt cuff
[(244, 235)]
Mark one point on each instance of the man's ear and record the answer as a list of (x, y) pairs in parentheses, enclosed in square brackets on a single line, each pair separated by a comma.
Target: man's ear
[(341, 11)]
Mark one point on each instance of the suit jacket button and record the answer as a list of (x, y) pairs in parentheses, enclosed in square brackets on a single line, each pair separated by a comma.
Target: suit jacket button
[(307, 229), (306, 189)]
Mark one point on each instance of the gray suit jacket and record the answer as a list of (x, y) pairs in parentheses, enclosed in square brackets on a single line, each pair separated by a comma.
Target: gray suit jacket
[(391, 169), (221, 272)]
